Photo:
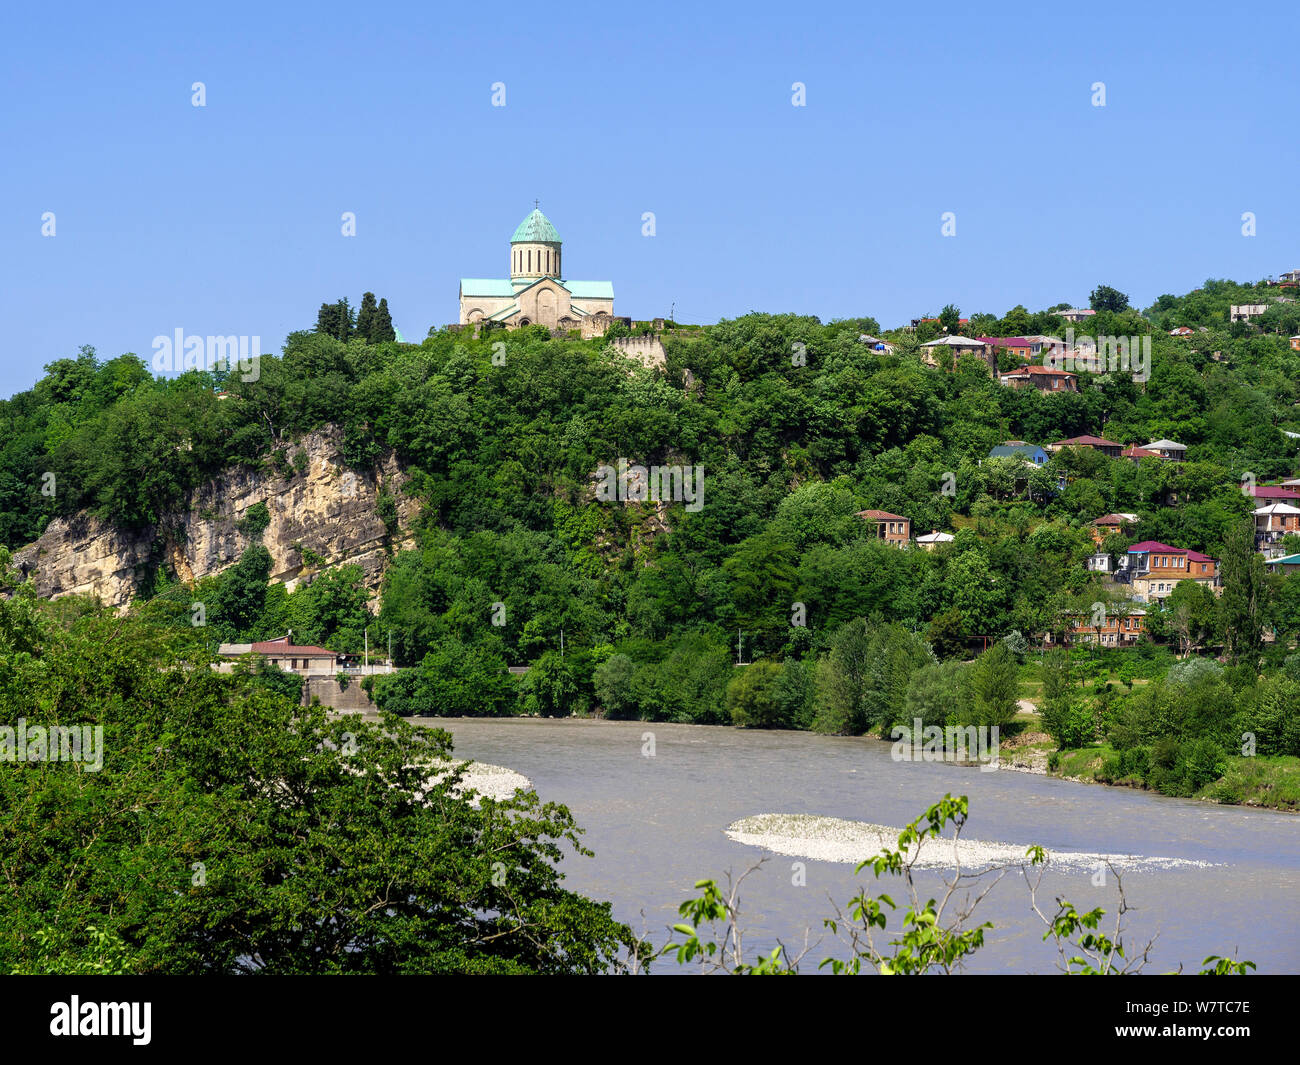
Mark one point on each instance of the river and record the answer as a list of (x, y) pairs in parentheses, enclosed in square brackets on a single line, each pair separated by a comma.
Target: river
[(657, 824)]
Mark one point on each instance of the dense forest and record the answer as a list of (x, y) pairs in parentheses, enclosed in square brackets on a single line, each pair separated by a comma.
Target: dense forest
[(798, 425)]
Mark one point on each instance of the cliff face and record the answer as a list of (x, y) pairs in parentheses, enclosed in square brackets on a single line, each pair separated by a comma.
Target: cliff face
[(319, 507)]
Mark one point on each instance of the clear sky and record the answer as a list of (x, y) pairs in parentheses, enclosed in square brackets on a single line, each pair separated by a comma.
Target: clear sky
[(225, 219)]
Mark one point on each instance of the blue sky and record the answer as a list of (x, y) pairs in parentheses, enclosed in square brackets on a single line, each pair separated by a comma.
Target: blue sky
[(225, 219)]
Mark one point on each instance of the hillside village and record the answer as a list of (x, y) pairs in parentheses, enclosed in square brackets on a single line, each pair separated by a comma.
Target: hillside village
[(1094, 494)]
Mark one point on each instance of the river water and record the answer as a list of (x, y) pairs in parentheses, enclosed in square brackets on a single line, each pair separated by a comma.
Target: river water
[(657, 824)]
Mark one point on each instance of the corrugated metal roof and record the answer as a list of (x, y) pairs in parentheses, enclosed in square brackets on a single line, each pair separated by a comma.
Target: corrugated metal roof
[(480, 286), (590, 290)]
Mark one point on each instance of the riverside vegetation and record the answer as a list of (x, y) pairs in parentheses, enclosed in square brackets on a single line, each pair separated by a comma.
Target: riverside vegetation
[(212, 837), (798, 425)]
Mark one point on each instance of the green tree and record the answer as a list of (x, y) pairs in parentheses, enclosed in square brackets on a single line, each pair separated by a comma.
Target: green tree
[(995, 687), (1105, 298), (550, 688), (612, 681), (230, 830), (1243, 605), (382, 329), (366, 317), (752, 696)]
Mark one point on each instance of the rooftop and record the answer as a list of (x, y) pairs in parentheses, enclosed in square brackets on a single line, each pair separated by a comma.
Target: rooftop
[(535, 229), (954, 342), (1085, 440), (1147, 546)]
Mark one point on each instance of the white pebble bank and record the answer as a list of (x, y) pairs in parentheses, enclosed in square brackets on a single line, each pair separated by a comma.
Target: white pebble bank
[(495, 782), (829, 839)]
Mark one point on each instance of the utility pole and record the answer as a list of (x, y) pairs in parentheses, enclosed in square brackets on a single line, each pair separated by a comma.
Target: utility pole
[(366, 660), (561, 645), (740, 643)]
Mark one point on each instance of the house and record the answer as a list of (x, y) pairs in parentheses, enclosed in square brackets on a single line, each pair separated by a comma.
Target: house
[(1108, 524), (1043, 378), (1244, 312), (1273, 521), (294, 658), (1137, 454), (1295, 343), (931, 540), (1154, 569), (1101, 562), (876, 344), (1031, 453), (1168, 449), (892, 528), (1075, 314), (1021, 347), (1182, 331), (1276, 491), (1039, 341), (1118, 628), (923, 321), (1107, 447), (959, 346), (1290, 275), (1285, 564)]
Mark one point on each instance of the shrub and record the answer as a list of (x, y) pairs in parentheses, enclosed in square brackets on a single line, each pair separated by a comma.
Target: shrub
[(752, 696), (255, 521)]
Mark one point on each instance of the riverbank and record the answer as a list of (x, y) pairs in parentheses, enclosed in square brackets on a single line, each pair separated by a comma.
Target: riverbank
[(1266, 782), (1262, 782)]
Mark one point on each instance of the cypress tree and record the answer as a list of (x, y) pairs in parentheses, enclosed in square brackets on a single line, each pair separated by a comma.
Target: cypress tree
[(346, 323), (327, 319), (366, 317), (1243, 605), (382, 328)]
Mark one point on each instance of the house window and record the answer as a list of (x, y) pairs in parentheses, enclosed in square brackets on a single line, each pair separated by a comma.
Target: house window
[(530, 260)]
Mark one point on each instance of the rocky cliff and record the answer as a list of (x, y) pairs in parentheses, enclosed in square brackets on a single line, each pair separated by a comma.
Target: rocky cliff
[(321, 514)]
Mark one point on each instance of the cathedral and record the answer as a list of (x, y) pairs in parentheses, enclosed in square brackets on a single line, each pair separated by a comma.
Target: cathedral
[(536, 292)]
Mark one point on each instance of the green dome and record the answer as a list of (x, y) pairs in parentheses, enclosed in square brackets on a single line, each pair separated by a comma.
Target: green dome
[(535, 229)]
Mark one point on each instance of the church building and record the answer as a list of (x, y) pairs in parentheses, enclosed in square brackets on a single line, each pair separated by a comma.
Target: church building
[(537, 292)]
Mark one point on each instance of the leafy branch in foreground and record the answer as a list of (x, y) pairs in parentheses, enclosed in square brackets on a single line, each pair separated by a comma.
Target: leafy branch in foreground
[(935, 936)]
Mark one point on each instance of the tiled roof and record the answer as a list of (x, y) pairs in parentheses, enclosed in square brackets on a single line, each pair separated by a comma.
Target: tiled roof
[(1147, 546), (282, 646), (1094, 441)]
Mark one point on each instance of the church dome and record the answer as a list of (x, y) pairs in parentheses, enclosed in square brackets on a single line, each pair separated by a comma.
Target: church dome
[(535, 229)]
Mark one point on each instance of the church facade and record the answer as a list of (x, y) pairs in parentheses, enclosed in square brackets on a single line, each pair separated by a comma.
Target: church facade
[(537, 293)]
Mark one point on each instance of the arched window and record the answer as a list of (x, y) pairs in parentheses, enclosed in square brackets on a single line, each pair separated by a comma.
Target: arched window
[(530, 260)]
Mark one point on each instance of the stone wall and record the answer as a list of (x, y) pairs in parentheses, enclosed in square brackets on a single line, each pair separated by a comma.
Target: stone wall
[(350, 700), (647, 349)]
